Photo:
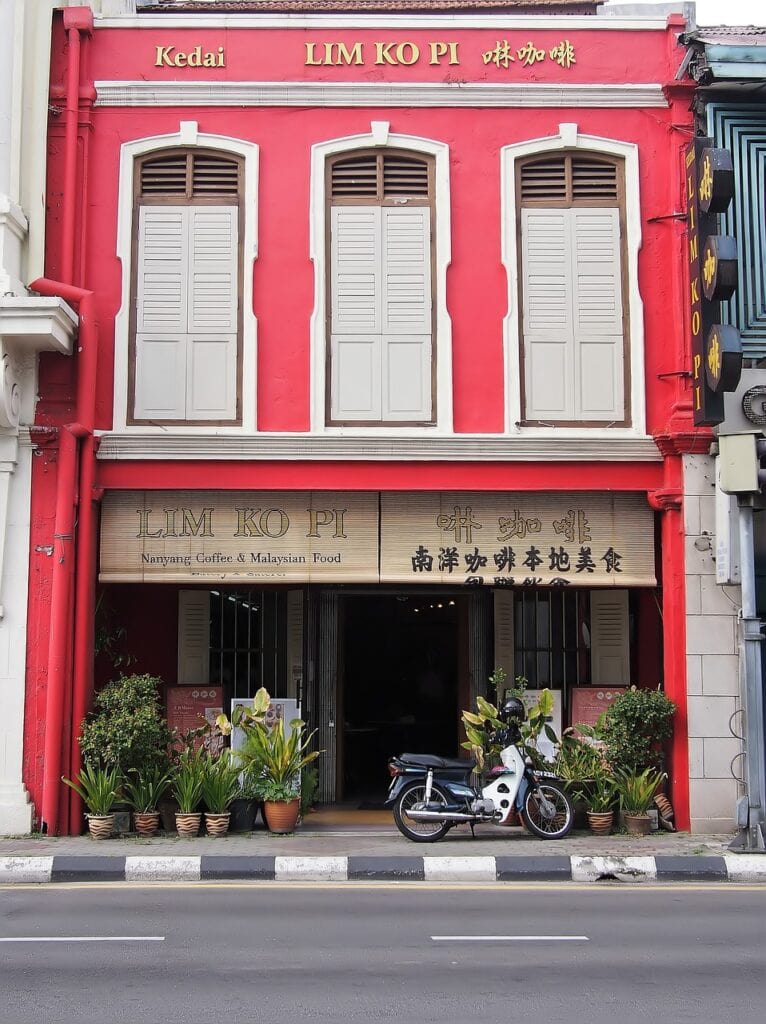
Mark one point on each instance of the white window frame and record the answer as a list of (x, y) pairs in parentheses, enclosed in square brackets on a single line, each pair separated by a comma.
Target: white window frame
[(378, 137), (187, 136), (569, 138)]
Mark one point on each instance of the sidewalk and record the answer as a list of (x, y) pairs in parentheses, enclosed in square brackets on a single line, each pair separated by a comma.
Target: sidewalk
[(333, 846)]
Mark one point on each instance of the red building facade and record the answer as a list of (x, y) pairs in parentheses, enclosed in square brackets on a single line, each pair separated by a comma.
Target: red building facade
[(381, 374)]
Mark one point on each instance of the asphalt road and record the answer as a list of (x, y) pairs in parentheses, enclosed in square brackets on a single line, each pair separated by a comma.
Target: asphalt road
[(197, 954)]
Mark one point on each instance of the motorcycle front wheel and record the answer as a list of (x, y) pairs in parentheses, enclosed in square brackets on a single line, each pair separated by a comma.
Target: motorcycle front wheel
[(547, 811), (420, 831)]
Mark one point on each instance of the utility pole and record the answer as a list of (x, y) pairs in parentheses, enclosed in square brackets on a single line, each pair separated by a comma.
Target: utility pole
[(740, 475)]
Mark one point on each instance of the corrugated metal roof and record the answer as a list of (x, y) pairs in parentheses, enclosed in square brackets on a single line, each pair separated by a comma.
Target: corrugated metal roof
[(748, 35)]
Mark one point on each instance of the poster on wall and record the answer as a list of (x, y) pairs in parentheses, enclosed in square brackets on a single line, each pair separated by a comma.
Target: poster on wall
[(283, 709), (189, 707), (590, 702)]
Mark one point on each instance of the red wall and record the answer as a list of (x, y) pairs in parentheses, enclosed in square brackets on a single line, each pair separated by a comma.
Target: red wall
[(283, 275)]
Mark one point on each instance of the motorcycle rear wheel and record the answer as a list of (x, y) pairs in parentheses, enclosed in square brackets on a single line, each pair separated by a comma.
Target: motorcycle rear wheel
[(420, 831), (534, 814)]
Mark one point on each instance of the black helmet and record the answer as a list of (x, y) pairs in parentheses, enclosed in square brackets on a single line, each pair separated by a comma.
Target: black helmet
[(512, 710)]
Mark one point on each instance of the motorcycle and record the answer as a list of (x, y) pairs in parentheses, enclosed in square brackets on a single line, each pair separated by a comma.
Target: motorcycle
[(431, 795)]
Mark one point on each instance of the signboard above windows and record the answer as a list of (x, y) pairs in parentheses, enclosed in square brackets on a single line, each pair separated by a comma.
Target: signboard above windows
[(448, 538)]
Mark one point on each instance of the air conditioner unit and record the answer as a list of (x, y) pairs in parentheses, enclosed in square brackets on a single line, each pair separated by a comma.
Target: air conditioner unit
[(745, 408)]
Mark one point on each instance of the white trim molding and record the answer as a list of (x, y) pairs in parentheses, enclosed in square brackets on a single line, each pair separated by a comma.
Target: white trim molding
[(291, 447), (187, 135), (387, 21), (382, 139), (374, 94), (570, 138)]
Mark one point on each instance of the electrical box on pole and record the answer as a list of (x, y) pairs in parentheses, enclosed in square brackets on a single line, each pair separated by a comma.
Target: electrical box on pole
[(739, 463), (716, 347)]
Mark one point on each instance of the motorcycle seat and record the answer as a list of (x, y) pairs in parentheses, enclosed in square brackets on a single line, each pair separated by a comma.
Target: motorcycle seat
[(433, 761)]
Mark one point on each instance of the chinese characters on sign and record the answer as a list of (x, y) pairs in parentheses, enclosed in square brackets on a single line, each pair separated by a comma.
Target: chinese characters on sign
[(517, 540), (475, 539), (504, 54)]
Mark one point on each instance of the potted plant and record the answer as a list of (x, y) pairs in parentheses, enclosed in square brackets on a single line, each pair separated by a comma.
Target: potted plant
[(144, 788), (97, 787), (274, 760), (637, 791), (127, 727), (220, 787), (634, 728), (187, 789), (281, 759), (600, 797), (244, 806)]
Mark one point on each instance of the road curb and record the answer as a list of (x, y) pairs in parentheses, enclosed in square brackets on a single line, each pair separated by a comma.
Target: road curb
[(553, 868)]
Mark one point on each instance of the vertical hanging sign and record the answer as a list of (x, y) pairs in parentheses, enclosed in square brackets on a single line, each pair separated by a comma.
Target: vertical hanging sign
[(716, 348)]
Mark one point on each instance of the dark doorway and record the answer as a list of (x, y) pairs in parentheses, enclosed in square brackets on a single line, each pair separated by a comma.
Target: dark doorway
[(400, 668)]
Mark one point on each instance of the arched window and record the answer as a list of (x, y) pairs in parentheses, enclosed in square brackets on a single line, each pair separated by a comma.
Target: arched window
[(573, 295), (186, 317), (381, 350)]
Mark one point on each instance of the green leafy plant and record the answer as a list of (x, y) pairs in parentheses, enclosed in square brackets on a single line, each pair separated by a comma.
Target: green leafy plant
[(637, 789), (189, 780), (245, 717), (309, 788), (221, 784), (248, 788), (483, 726), (145, 787), (127, 729), (600, 794), (576, 760), (281, 758), (97, 787), (633, 729), (266, 753), (272, 791)]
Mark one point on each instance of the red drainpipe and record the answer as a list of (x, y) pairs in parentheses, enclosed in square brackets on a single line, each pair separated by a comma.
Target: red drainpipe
[(72, 471), (70, 475)]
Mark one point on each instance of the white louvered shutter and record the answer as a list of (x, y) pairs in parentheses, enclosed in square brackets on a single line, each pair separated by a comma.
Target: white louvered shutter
[(610, 640), (572, 321), (187, 314), (549, 350), (356, 301), (597, 303), (193, 636), (211, 382), (161, 312), (406, 308)]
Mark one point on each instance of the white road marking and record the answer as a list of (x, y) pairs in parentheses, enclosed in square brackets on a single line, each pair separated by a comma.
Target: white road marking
[(85, 938), (510, 938)]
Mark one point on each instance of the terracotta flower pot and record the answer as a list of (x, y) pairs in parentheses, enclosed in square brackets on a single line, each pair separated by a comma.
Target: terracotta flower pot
[(281, 816), (637, 824), (600, 822), (146, 823), (187, 825), (217, 824), (100, 826)]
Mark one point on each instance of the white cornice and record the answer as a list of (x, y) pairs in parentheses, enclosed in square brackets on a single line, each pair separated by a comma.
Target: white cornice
[(374, 94), (37, 322), (386, 21), (309, 448)]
